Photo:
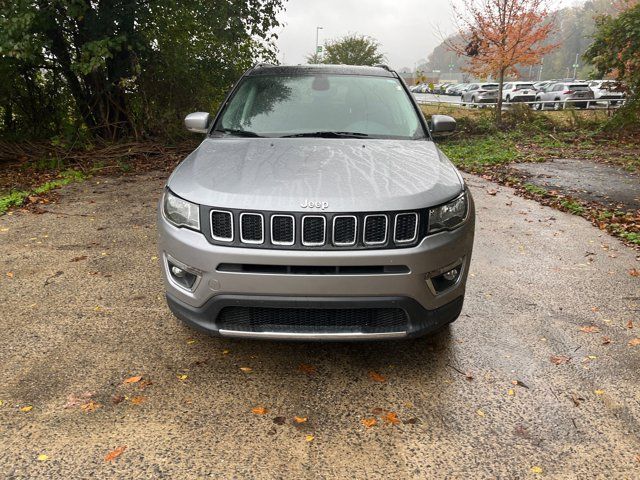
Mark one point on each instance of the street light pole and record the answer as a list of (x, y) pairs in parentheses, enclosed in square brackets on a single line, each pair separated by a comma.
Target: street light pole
[(575, 67), (317, 35)]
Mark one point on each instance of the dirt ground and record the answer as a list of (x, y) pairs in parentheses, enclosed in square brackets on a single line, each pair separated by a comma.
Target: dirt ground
[(539, 378)]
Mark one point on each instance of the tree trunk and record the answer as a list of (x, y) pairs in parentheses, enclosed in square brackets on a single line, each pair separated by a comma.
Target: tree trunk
[(499, 103)]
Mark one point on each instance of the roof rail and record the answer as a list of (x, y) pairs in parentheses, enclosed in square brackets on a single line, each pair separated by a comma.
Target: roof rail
[(262, 65)]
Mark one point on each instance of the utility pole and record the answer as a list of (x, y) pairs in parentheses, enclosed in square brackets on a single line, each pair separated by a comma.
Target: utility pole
[(575, 67), (318, 48)]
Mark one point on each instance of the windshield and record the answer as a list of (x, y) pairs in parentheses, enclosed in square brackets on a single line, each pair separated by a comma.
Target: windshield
[(306, 105)]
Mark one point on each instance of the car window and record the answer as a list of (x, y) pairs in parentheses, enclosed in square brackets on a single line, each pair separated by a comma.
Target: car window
[(490, 86), (521, 86), (581, 87), (278, 105)]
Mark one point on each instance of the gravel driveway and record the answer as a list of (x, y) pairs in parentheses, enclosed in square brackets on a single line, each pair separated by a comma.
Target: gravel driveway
[(82, 310)]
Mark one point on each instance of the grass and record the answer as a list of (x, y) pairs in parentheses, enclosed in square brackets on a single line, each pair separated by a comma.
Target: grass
[(17, 198), (476, 153)]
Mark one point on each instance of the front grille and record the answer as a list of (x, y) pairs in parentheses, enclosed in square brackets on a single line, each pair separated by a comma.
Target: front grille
[(309, 320), (322, 231), (282, 230), (313, 230), (406, 227), (375, 229), (221, 225), (344, 230), (251, 228)]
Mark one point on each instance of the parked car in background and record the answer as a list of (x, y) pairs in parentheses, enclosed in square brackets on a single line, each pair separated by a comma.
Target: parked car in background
[(609, 90), (564, 95), (478, 93), (457, 90), (450, 89), (518, 92)]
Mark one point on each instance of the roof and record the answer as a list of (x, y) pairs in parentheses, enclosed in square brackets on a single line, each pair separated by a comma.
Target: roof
[(266, 69)]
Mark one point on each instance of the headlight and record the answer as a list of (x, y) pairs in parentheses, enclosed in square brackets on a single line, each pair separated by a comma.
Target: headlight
[(181, 213), (448, 216)]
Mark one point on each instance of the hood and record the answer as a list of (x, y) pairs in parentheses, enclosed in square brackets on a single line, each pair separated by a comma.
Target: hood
[(339, 175)]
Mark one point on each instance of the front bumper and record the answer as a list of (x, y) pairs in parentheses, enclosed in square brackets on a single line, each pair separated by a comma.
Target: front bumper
[(408, 289)]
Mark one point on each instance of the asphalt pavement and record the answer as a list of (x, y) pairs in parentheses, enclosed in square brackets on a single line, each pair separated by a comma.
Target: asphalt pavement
[(539, 377)]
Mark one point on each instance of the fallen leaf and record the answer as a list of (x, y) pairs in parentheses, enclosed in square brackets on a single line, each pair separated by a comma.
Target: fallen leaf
[(300, 419), (377, 411), (630, 324), (598, 392), (246, 369), (537, 470), (492, 192), (518, 383), (144, 384), (468, 375), (589, 329), (112, 455), (116, 399), (78, 259), (26, 408), (10, 274), (369, 422), (309, 438), (634, 272), (376, 377), (74, 400), (191, 341), (43, 458), (576, 399), (634, 342), (279, 420), (606, 340), (138, 400), (560, 359), (511, 392), (133, 379), (182, 376), (90, 406), (480, 413), (411, 421), (307, 369), (392, 418), (226, 352), (259, 410)]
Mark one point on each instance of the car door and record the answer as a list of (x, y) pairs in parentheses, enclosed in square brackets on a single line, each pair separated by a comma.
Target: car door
[(466, 96), (505, 90)]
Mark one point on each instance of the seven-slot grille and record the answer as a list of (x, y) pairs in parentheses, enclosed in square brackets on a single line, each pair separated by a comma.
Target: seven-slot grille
[(296, 230)]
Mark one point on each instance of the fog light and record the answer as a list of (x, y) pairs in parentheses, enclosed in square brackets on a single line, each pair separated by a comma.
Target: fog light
[(177, 272), (181, 276), (451, 275)]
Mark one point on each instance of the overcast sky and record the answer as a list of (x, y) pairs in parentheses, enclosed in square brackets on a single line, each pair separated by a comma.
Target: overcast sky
[(407, 29)]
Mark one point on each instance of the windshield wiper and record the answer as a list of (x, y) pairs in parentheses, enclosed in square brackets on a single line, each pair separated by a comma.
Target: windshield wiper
[(328, 134), (238, 133)]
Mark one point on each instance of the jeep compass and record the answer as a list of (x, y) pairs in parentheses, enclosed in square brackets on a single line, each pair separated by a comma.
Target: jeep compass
[(317, 207)]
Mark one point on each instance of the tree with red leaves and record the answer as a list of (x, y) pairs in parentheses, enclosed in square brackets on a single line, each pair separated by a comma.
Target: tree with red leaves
[(498, 35)]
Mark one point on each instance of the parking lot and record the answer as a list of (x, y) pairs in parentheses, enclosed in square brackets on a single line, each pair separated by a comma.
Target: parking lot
[(538, 377)]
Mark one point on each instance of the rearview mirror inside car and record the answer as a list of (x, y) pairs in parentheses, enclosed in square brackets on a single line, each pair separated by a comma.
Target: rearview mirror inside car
[(197, 122)]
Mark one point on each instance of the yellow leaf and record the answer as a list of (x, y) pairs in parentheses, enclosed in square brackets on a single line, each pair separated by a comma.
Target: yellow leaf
[(191, 341), (300, 419), (309, 438), (511, 392), (537, 470), (133, 379), (182, 377), (26, 408), (43, 458), (369, 422), (634, 342), (90, 406), (139, 400), (376, 377), (598, 392), (480, 413), (246, 369), (226, 352), (259, 410), (10, 274), (392, 418)]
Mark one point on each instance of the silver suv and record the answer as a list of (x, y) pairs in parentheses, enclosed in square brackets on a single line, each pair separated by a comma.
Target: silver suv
[(317, 207)]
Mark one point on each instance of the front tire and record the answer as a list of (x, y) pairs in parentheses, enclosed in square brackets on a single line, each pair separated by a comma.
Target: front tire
[(557, 106)]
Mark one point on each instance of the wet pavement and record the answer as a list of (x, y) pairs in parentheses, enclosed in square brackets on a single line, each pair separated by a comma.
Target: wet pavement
[(83, 310), (609, 185)]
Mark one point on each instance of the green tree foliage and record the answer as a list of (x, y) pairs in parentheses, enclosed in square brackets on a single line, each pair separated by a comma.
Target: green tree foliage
[(124, 67), (352, 49), (616, 51)]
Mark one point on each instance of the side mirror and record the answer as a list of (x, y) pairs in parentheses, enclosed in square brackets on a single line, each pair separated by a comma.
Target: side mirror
[(442, 125), (197, 122)]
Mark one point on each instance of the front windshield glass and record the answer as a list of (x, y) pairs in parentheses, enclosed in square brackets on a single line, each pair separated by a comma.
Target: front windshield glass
[(305, 105)]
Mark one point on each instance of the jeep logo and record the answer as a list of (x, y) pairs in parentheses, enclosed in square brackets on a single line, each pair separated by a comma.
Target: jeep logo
[(308, 204)]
